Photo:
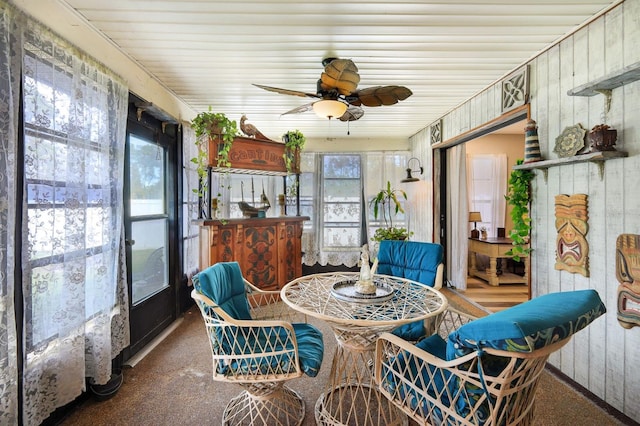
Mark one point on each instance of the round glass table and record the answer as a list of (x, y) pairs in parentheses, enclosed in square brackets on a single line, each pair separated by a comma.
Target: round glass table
[(351, 397)]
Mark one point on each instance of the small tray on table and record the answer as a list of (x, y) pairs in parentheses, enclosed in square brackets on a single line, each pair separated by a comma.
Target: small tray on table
[(346, 290)]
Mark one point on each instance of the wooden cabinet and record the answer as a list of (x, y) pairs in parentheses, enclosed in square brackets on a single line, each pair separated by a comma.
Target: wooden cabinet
[(269, 250)]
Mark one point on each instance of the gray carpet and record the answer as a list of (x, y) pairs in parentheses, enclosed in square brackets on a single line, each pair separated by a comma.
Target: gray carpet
[(172, 385)]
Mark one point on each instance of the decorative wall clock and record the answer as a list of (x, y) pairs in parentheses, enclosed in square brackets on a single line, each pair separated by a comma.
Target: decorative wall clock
[(570, 141)]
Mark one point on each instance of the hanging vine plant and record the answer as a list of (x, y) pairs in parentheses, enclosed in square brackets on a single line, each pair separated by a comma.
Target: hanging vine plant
[(519, 197), (212, 126), (294, 142)]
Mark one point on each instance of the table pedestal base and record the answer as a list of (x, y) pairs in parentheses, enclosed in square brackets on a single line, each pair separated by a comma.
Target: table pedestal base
[(352, 398)]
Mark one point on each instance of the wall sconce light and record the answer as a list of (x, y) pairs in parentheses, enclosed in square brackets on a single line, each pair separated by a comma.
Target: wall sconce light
[(410, 178), (475, 218), (329, 108)]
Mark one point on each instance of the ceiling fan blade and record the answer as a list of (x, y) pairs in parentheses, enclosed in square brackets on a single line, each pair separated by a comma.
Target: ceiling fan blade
[(300, 109), (352, 113), (380, 95), (341, 75), (287, 91)]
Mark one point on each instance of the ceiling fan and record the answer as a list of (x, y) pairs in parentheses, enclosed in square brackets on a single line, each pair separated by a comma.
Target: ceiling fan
[(337, 92)]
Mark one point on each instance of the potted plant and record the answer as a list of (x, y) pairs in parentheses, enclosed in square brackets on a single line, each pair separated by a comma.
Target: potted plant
[(212, 127), (518, 197), (293, 143), (217, 128), (387, 201)]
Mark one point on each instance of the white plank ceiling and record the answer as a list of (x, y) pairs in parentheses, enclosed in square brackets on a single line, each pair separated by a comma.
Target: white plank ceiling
[(209, 52)]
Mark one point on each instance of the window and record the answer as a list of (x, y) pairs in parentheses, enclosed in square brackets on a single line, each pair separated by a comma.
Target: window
[(487, 187), (341, 204)]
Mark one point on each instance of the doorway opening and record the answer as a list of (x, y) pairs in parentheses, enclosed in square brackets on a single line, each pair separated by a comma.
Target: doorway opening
[(492, 280)]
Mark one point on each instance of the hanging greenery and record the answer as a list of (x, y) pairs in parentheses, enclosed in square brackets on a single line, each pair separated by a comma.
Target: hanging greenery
[(519, 197), (294, 143)]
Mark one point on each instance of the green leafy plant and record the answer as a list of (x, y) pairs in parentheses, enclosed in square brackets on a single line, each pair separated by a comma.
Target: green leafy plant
[(217, 127), (294, 142), (518, 197), (210, 126), (387, 202), (391, 234)]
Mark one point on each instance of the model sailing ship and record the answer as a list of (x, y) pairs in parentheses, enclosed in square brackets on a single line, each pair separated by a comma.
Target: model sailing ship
[(253, 209)]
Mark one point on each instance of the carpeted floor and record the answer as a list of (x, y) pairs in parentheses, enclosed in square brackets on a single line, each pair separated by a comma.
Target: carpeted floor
[(173, 385)]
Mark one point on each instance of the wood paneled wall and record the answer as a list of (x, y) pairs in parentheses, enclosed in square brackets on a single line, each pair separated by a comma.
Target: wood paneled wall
[(605, 357)]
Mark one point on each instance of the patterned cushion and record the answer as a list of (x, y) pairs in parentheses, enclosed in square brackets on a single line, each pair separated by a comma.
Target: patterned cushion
[(530, 325)]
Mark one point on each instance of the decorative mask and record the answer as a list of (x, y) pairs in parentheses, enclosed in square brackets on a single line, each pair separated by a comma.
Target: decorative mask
[(628, 274), (572, 249)]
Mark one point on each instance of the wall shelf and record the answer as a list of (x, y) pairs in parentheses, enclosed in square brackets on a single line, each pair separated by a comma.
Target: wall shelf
[(598, 157), (619, 78)]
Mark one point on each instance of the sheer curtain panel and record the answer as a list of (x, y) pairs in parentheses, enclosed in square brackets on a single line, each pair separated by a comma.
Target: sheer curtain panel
[(457, 234), (420, 218), (73, 274), (10, 57)]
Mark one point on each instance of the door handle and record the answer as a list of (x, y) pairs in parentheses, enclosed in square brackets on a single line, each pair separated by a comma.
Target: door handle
[(130, 242)]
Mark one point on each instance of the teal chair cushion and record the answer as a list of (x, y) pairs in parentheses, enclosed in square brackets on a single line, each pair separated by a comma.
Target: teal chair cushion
[(415, 260), (406, 369), (223, 284), (411, 332), (530, 325), (310, 348)]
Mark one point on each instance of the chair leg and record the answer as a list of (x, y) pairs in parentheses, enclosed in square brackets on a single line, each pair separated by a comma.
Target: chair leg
[(260, 405)]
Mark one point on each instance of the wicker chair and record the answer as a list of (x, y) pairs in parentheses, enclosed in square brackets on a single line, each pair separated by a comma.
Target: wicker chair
[(417, 261), (256, 352), (487, 371)]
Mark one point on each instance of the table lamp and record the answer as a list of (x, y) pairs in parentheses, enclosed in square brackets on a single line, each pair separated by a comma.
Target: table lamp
[(475, 218)]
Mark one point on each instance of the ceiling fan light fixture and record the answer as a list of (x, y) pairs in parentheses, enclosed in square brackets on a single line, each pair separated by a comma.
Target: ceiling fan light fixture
[(329, 108)]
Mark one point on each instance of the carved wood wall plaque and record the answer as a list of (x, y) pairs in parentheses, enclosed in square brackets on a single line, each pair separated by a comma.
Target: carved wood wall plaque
[(628, 274), (572, 248)]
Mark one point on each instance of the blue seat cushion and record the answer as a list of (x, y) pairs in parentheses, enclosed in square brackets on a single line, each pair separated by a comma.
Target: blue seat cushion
[(417, 261), (406, 369), (223, 284), (310, 348), (264, 339), (530, 325), (411, 332)]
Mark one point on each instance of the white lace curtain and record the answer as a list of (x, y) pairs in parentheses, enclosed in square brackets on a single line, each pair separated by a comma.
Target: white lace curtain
[(10, 57), (73, 275)]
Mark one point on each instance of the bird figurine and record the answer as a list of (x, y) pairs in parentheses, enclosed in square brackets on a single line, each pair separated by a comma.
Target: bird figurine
[(250, 130)]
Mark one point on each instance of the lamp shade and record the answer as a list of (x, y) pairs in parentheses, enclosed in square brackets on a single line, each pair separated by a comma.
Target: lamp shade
[(329, 108), (475, 217)]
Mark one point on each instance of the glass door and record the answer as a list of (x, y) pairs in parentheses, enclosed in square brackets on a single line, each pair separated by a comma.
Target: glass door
[(148, 218)]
